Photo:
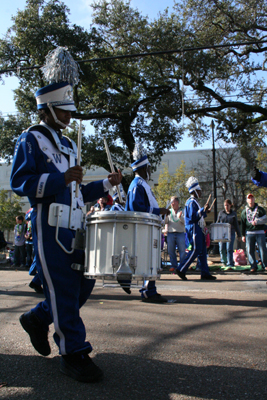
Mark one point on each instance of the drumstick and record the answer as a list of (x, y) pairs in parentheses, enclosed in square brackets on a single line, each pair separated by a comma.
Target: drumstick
[(212, 204), (112, 167), (208, 199), (79, 147)]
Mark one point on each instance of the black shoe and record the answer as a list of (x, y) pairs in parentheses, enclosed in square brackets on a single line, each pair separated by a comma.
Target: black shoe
[(127, 290), (208, 278), (35, 287), (181, 275), (156, 298), (81, 368), (38, 335)]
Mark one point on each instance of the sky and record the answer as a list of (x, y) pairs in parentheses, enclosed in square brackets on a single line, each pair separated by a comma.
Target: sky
[(80, 14)]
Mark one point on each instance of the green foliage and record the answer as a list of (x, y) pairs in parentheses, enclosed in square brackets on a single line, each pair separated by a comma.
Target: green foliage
[(232, 176), (10, 208), (172, 185), (142, 99), (10, 130), (226, 83)]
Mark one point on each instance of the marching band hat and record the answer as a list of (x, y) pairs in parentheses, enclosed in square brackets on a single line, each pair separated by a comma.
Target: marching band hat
[(140, 157), (62, 73), (140, 163), (59, 95), (192, 184)]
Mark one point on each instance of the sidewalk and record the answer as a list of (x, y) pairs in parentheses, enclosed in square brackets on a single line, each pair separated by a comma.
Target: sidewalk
[(208, 342)]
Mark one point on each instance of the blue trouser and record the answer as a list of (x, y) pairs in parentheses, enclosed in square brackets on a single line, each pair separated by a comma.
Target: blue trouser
[(176, 239), (65, 289), (149, 289), (36, 279), (226, 250), (199, 250), (251, 240)]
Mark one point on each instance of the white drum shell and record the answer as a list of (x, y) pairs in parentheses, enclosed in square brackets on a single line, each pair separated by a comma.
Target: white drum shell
[(108, 231), (220, 232)]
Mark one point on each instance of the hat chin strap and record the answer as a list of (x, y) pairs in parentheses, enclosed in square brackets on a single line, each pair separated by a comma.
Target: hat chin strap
[(56, 118), (196, 194)]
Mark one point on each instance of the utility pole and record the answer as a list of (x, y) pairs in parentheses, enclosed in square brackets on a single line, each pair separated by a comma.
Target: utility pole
[(214, 173)]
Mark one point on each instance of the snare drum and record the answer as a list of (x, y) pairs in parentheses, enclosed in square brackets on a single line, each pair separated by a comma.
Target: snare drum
[(107, 232), (220, 232)]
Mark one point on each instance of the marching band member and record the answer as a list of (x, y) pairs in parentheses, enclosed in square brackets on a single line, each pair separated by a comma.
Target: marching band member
[(259, 178), (118, 205), (141, 198), (44, 169), (194, 223)]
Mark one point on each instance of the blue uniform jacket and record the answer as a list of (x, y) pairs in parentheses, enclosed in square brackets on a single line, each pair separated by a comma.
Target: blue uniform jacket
[(263, 180), (39, 172), (193, 213), (137, 199), (36, 176)]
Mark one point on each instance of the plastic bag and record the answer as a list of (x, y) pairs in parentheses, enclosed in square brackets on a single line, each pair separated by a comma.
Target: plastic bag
[(240, 257)]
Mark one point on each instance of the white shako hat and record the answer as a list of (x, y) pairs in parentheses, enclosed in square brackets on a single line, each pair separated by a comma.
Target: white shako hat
[(59, 95), (140, 157), (62, 73), (192, 184)]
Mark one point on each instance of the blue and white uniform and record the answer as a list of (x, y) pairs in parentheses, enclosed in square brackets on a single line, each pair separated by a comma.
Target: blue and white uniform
[(194, 222), (141, 198), (117, 207), (262, 181), (41, 159)]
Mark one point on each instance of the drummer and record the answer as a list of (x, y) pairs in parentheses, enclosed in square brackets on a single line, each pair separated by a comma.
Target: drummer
[(141, 198)]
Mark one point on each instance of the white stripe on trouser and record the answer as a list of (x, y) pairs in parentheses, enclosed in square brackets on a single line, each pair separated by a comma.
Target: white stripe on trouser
[(193, 251), (48, 279), (146, 288)]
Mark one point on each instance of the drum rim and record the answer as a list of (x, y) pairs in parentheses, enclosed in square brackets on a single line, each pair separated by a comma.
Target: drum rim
[(125, 221), (89, 275), (119, 215)]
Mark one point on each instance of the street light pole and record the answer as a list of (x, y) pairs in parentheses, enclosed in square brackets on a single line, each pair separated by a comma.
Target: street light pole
[(214, 173)]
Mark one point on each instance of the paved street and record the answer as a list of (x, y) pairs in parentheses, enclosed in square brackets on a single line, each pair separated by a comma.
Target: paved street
[(208, 342)]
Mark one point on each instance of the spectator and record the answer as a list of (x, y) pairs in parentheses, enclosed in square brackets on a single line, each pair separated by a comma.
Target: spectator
[(174, 225), (253, 219), (228, 216), (91, 211), (19, 249), (103, 204)]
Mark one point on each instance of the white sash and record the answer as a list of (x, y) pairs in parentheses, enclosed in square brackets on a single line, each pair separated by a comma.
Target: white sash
[(151, 197), (56, 157)]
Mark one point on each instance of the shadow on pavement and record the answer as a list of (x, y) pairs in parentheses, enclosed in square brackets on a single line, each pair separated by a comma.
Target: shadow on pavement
[(129, 377)]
